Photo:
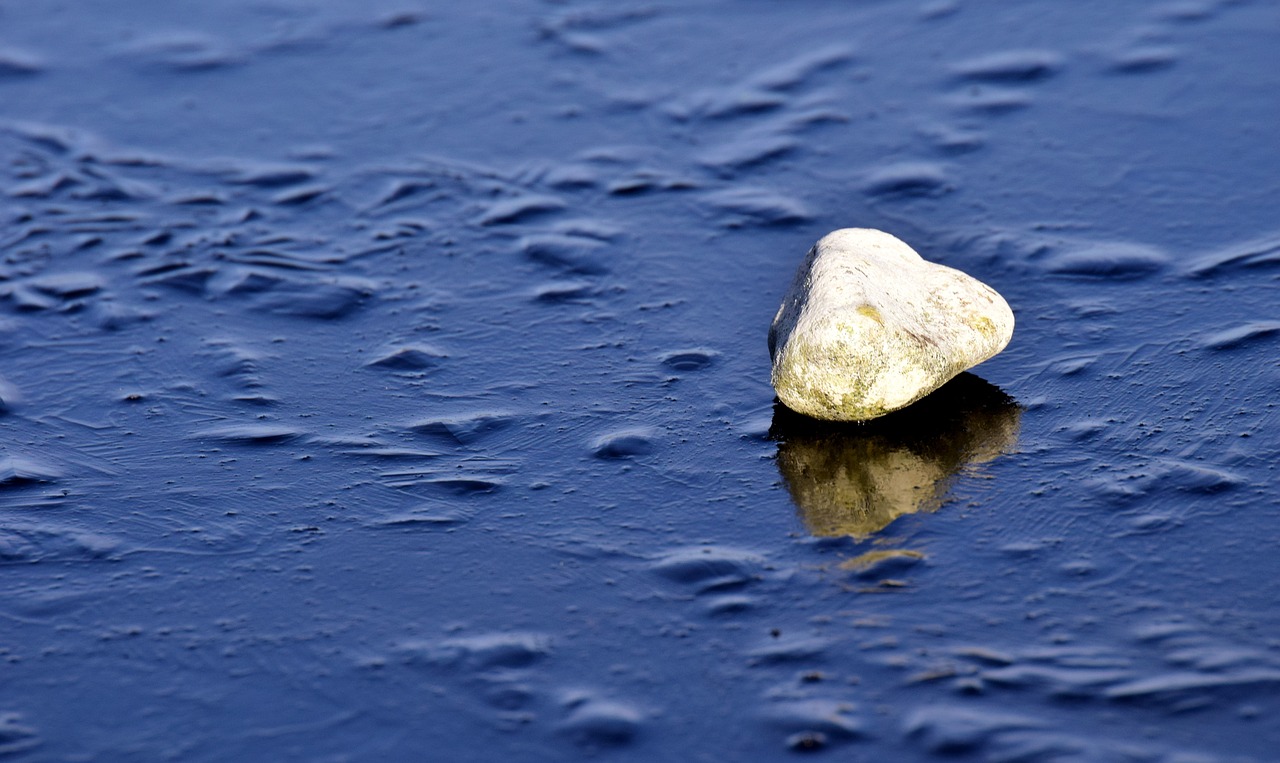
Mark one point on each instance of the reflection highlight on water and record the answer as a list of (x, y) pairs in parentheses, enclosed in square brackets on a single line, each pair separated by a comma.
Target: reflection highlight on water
[(854, 479)]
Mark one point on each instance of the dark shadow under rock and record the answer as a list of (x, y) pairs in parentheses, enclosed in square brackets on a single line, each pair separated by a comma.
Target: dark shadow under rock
[(856, 478)]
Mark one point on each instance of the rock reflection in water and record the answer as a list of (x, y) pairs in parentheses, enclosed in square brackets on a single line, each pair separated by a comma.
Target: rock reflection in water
[(854, 479)]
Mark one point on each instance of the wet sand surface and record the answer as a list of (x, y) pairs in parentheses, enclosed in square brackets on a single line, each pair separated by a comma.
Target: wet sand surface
[(388, 382)]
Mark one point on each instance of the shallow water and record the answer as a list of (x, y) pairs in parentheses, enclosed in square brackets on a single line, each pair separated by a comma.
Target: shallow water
[(390, 382)]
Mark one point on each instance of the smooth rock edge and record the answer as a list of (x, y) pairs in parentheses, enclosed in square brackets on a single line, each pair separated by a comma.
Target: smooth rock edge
[(869, 327)]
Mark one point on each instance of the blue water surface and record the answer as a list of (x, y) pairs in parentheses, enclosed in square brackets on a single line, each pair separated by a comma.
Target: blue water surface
[(388, 381)]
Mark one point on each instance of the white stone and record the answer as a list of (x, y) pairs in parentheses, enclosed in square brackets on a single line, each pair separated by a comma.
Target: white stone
[(869, 327)]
